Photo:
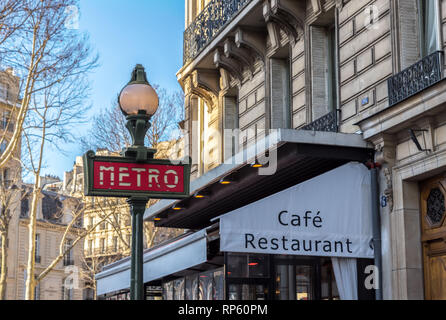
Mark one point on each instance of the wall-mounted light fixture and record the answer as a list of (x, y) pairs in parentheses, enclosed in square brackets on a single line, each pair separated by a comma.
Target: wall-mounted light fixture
[(226, 180), (415, 139), (201, 194), (256, 164), (177, 207)]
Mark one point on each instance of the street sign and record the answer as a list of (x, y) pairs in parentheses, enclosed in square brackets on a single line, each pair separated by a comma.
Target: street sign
[(124, 177)]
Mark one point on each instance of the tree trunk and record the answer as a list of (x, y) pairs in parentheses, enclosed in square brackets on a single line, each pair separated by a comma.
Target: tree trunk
[(30, 282), (3, 274)]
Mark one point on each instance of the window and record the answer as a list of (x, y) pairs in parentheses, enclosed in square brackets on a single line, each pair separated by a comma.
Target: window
[(5, 177), (91, 222), (90, 246), (6, 116), (67, 289), (115, 244), (429, 17), (102, 245), (231, 126), (37, 245), (3, 91), (24, 207), (129, 240), (68, 258), (3, 146), (280, 93), (323, 78), (37, 291)]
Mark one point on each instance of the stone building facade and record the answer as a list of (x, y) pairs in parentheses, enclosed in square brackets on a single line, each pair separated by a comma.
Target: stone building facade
[(367, 67)]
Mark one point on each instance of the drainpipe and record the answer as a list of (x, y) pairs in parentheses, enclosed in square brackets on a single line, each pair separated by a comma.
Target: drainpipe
[(376, 224)]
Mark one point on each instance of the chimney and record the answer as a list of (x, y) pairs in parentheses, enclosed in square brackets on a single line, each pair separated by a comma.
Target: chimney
[(10, 71)]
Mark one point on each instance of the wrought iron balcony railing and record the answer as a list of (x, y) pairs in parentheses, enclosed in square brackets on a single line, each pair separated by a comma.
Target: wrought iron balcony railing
[(327, 123), (209, 22), (421, 75)]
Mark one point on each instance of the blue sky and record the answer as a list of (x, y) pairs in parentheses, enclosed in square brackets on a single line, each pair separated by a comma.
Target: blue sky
[(125, 33)]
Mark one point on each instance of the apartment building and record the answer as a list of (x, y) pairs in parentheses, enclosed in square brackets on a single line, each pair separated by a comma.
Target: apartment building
[(288, 105)]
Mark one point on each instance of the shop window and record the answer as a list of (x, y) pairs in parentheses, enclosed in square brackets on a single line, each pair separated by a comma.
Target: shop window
[(208, 285), (153, 293), (178, 289), (205, 286), (294, 282), (329, 289), (247, 266), (218, 285), (168, 290), (191, 283), (247, 292)]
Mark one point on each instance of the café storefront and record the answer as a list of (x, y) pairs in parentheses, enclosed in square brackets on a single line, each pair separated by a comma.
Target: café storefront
[(310, 240)]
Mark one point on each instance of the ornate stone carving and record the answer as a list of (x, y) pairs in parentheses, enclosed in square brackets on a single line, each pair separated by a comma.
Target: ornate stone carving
[(385, 149), (273, 35), (205, 84), (255, 41), (288, 14), (240, 54), (232, 66), (388, 192), (316, 6)]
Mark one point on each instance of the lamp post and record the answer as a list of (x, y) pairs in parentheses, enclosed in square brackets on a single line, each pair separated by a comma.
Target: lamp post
[(138, 102)]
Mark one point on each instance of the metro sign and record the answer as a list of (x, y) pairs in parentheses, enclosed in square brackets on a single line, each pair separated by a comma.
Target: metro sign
[(123, 177)]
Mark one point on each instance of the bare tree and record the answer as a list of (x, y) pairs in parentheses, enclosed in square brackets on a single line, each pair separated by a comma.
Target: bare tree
[(13, 14), (109, 131), (58, 61), (42, 51), (10, 198)]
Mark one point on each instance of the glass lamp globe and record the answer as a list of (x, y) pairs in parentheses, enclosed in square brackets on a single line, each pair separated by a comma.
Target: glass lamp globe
[(138, 95)]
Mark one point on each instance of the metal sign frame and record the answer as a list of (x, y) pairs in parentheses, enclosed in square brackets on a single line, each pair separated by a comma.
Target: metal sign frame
[(88, 164)]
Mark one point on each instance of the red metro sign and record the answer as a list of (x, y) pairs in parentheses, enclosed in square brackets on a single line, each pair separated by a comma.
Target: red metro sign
[(122, 177)]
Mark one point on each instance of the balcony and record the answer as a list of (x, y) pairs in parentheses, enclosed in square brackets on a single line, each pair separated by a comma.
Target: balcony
[(209, 22), (327, 123), (416, 78)]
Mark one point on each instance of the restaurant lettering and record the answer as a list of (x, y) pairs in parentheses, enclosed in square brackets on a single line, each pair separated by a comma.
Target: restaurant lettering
[(286, 243)]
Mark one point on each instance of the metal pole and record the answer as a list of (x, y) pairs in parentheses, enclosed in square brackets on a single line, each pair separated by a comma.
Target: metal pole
[(376, 230), (138, 206)]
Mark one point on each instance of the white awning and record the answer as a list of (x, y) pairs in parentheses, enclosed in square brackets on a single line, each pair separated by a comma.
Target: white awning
[(165, 260), (329, 215)]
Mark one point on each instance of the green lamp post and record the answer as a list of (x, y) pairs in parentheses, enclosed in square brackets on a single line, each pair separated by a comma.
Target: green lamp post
[(138, 102)]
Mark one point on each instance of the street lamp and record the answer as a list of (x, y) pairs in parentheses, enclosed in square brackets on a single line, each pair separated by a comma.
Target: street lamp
[(138, 102)]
